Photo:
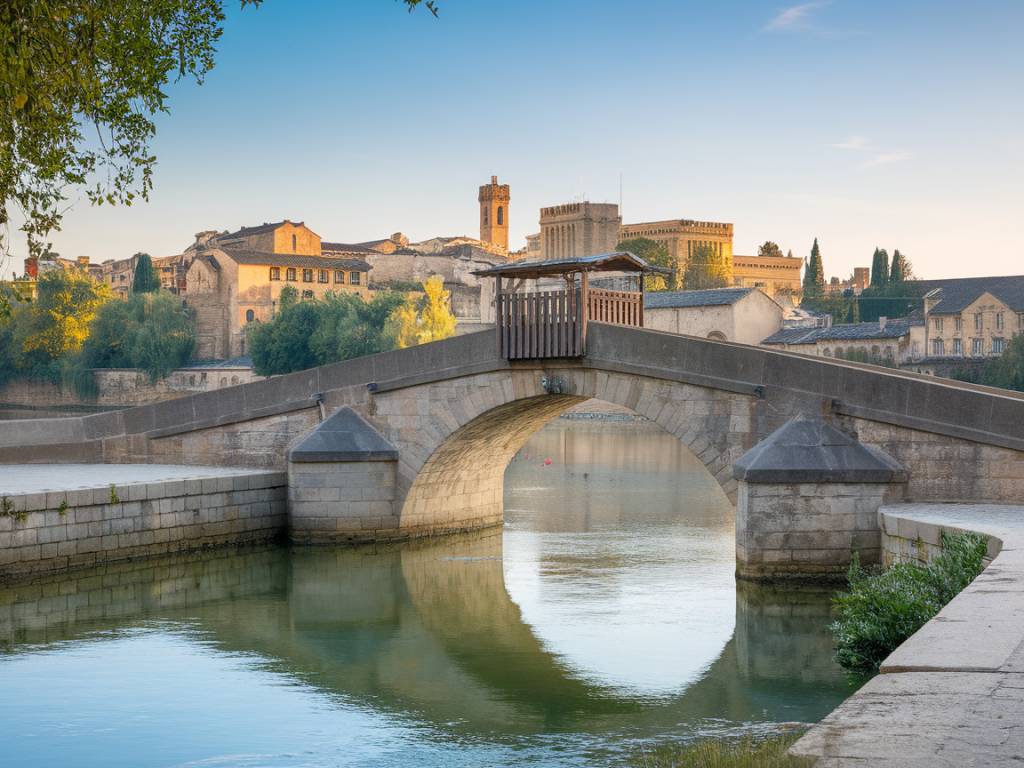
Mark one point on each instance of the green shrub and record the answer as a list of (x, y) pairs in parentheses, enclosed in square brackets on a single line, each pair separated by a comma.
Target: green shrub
[(714, 753), (881, 610)]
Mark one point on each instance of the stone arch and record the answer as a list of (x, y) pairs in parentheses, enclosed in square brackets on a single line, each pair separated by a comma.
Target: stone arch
[(455, 438), (717, 336)]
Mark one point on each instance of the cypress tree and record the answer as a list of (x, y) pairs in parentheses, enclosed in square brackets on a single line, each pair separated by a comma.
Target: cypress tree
[(145, 279), (880, 268), (897, 273)]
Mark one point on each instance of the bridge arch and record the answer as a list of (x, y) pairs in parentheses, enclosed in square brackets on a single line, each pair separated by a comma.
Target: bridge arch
[(456, 438)]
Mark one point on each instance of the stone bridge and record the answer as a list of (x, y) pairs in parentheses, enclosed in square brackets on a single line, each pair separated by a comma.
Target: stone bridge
[(415, 442)]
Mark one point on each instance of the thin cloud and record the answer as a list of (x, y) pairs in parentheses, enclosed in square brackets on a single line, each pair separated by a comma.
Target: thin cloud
[(853, 144), (794, 17), (886, 158)]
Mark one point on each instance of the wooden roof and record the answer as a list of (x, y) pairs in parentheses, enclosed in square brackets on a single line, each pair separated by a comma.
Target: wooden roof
[(617, 261)]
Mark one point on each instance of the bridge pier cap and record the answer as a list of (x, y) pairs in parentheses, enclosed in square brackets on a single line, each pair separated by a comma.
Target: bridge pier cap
[(808, 498)]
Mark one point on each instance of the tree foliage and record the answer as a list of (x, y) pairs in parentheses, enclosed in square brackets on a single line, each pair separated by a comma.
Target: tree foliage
[(655, 253), (814, 275), (705, 269), (154, 332), (1005, 371), (315, 332), (145, 279), (897, 296), (880, 268), (56, 324), (768, 248), (424, 319)]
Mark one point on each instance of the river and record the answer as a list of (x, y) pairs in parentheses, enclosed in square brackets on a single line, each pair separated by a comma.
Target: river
[(602, 619)]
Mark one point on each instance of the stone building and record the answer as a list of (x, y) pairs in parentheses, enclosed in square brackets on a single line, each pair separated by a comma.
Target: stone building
[(579, 229), (744, 315), (230, 283), (856, 283), (889, 342), (683, 238), (972, 317), (494, 201), (778, 276)]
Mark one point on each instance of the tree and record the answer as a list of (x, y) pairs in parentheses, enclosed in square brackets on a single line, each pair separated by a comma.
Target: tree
[(1005, 371), (145, 279), (880, 268), (656, 254), (57, 323), (900, 271), (419, 321), (770, 249), (80, 84), (814, 274), (283, 344), (154, 332), (705, 269)]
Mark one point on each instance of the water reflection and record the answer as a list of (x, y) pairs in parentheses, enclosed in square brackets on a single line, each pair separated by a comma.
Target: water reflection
[(605, 614)]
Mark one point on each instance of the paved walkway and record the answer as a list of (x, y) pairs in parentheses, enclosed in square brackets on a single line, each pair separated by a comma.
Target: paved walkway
[(18, 479), (953, 694)]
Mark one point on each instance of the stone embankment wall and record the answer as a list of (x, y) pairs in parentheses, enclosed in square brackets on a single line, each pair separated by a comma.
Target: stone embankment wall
[(125, 387), (952, 695), (55, 531)]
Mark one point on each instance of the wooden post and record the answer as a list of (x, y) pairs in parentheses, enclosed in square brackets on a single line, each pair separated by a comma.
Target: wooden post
[(641, 279), (585, 301), (499, 318)]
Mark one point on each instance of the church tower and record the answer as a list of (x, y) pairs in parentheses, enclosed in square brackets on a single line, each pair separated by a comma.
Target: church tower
[(494, 199)]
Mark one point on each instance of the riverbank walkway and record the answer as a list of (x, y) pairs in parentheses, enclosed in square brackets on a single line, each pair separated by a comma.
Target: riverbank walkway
[(953, 694)]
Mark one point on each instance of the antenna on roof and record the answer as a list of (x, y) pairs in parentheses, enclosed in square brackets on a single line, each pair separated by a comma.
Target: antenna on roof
[(620, 193)]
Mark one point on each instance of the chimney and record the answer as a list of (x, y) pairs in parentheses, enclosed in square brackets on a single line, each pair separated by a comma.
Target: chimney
[(881, 323)]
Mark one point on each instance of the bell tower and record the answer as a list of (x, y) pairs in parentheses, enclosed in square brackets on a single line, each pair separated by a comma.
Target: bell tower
[(494, 200)]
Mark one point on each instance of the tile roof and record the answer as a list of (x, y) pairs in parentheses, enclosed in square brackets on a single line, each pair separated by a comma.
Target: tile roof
[(958, 293), (616, 261), (894, 329), (712, 297), (346, 248), (259, 229), (292, 260)]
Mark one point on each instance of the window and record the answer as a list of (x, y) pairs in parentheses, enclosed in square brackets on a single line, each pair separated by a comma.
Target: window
[(958, 323), (290, 274), (307, 294), (976, 347), (977, 321), (339, 276), (295, 245), (249, 315), (938, 324), (486, 222), (354, 278), (307, 275), (938, 347), (997, 346), (322, 276), (999, 321), (958, 347), (275, 273), (501, 215)]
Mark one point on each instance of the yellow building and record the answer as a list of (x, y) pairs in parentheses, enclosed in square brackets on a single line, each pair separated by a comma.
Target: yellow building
[(972, 317), (778, 276), (230, 284)]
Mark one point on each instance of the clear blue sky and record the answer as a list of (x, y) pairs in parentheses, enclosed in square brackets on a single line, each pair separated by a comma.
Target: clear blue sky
[(864, 123)]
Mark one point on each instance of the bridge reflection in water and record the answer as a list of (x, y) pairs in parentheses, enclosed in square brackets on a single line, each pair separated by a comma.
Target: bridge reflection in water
[(458, 640)]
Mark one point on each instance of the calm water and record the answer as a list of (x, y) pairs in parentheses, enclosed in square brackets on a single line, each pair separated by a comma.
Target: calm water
[(604, 617)]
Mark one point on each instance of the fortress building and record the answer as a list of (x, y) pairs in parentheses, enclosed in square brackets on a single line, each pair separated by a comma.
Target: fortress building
[(494, 203), (578, 229), (684, 237)]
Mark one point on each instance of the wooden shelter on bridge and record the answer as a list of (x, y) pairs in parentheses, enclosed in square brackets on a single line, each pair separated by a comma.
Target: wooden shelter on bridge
[(544, 307)]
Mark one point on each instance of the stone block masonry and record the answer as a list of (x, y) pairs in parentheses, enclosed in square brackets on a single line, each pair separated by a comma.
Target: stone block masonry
[(56, 530)]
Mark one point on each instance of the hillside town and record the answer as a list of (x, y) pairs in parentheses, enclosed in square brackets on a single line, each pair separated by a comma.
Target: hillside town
[(232, 281)]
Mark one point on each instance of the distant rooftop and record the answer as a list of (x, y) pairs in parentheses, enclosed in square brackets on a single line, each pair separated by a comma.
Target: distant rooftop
[(893, 329), (259, 229), (294, 260), (957, 294), (616, 261), (712, 297)]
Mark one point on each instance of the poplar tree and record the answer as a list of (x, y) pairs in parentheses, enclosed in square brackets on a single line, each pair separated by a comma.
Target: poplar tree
[(814, 273), (898, 270)]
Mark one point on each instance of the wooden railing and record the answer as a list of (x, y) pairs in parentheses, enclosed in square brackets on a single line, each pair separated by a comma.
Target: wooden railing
[(552, 323), (615, 307), (544, 324)]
